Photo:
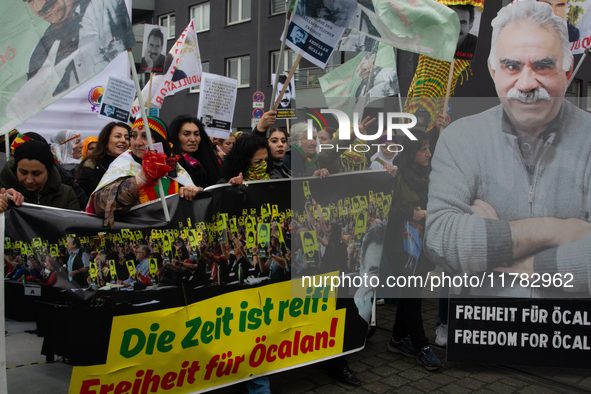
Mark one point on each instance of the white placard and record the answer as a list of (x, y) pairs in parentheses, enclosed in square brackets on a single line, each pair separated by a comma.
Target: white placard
[(117, 99), (314, 38), (217, 99)]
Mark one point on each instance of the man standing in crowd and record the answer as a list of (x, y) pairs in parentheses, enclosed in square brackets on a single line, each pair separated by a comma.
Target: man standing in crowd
[(509, 190), (78, 263), (142, 255)]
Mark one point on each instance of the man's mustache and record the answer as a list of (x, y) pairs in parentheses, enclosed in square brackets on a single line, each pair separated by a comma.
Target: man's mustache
[(528, 97), (47, 7)]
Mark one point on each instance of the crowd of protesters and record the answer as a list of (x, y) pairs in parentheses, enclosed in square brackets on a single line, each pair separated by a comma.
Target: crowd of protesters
[(114, 171)]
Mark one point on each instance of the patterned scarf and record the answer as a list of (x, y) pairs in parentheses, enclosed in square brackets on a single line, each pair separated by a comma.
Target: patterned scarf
[(257, 172), (353, 160), (151, 193), (307, 161), (190, 160), (429, 85)]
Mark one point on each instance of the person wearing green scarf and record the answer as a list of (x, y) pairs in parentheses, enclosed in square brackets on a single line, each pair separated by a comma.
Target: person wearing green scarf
[(409, 209), (247, 161), (304, 155)]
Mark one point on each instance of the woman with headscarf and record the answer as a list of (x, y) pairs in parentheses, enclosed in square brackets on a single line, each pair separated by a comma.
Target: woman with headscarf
[(88, 146), (132, 177), (197, 153), (67, 148), (386, 153), (113, 140)]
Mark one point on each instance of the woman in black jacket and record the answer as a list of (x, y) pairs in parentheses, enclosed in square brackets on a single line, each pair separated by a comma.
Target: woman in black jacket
[(197, 153), (113, 140), (406, 221)]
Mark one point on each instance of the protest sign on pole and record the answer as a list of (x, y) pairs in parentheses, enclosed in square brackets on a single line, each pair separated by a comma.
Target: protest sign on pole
[(314, 31), (287, 105), (49, 58), (154, 49), (217, 100), (117, 99)]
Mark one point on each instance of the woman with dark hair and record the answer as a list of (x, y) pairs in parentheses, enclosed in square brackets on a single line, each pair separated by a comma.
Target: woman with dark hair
[(277, 148), (247, 161), (406, 222), (197, 153), (113, 140), (132, 178)]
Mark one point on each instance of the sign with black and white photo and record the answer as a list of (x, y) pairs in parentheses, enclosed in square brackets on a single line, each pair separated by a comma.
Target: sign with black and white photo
[(154, 49), (217, 100), (287, 105), (117, 99)]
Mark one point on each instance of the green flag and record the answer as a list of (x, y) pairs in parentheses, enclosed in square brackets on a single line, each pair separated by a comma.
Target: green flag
[(293, 4), (421, 26), (367, 77)]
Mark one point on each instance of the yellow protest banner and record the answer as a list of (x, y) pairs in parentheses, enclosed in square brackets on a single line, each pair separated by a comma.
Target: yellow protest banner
[(216, 341)]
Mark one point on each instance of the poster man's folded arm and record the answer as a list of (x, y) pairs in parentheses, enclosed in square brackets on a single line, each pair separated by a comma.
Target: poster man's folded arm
[(464, 241), (455, 237)]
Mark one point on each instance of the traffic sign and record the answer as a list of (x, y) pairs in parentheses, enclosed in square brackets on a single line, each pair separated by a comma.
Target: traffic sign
[(258, 97), (258, 105), (257, 113), (254, 123)]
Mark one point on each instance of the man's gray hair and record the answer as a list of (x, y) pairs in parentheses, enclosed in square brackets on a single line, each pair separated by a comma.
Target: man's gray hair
[(299, 132), (540, 14)]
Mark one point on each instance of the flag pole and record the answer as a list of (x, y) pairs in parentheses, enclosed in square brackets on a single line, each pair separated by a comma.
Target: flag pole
[(287, 81), (140, 100), (149, 94), (7, 145), (578, 66), (280, 62), (449, 79)]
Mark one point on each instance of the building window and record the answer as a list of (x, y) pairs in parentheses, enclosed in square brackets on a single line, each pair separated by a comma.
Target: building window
[(289, 58), (169, 21), (238, 11), (200, 13), (205, 69), (277, 6), (239, 68)]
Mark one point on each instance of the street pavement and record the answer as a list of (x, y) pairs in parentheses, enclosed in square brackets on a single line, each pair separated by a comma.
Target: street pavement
[(379, 370)]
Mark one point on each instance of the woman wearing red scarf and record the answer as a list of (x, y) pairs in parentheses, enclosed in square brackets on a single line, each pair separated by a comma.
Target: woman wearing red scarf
[(132, 178)]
